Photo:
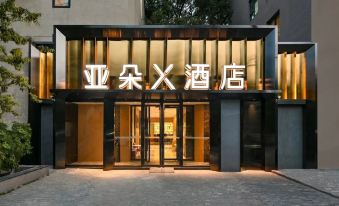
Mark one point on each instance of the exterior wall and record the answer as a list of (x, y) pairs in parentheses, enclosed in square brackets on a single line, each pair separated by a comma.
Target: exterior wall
[(325, 32), (84, 12), (294, 17), (290, 137)]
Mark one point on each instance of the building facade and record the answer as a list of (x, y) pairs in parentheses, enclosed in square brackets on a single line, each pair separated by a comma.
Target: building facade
[(217, 97), (306, 20), (116, 94)]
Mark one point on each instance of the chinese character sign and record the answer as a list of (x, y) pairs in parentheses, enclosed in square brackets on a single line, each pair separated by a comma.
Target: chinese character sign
[(198, 76), (163, 77), (96, 76), (130, 77), (235, 80)]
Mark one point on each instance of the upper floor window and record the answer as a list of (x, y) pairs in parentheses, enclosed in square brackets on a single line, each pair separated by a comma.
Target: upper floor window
[(275, 20), (61, 3), (254, 7)]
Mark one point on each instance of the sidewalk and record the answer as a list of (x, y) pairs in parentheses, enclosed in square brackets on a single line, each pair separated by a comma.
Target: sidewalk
[(183, 187), (326, 181)]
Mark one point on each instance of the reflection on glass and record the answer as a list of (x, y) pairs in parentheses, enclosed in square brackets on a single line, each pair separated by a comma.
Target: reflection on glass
[(196, 146), (127, 139), (211, 56), (89, 56), (292, 75), (177, 54), (197, 56), (152, 136), (224, 56), (61, 3), (252, 150), (118, 56), (139, 55), (74, 64), (238, 52), (254, 65), (156, 57), (101, 52), (49, 75), (171, 137), (42, 76)]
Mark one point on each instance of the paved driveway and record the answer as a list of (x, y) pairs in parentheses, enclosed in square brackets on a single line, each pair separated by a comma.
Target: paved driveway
[(139, 187)]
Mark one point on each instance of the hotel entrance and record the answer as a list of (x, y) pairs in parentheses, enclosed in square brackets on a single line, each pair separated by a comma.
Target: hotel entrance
[(162, 139), (153, 134)]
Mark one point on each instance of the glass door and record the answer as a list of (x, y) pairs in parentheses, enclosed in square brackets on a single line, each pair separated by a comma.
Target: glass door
[(161, 137), (152, 135), (171, 136)]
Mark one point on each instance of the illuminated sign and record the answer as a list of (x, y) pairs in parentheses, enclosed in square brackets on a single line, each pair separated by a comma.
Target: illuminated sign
[(127, 77), (235, 80), (163, 77), (197, 77), (96, 76)]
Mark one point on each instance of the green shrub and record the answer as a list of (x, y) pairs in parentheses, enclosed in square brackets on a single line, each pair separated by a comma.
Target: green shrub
[(14, 144)]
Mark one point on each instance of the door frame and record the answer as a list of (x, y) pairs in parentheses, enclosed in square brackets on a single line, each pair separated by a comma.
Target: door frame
[(179, 130)]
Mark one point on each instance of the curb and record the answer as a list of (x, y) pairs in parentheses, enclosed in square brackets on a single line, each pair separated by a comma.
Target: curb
[(16, 180), (302, 183)]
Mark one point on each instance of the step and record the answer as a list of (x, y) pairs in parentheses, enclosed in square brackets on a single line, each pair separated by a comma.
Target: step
[(161, 170)]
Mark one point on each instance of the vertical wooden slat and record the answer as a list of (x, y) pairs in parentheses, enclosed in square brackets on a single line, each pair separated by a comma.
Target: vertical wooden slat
[(283, 76), (83, 63), (303, 76), (148, 56), (293, 76)]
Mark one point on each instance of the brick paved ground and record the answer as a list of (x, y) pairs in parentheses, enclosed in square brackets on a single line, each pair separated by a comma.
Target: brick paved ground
[(139, 187), (324, 180)]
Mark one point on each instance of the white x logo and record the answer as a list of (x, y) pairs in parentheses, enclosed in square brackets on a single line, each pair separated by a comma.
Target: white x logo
[(163, 77)]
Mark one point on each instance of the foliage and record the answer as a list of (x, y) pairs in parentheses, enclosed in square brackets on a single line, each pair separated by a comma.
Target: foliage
[(14, 140), (14, 144), (45, 49), (188, 12)]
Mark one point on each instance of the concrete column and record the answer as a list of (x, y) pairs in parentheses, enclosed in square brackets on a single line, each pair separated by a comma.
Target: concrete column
[(46, 128), (290, 137), (230, 135)]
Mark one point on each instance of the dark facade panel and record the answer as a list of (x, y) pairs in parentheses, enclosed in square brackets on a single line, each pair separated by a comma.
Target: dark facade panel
[(290, 136), (230, 136)]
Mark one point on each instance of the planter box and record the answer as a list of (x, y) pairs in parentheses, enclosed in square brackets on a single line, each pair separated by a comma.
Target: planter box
[(12, 181)]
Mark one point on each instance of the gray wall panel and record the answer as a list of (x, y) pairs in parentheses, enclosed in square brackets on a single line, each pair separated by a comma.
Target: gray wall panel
[(46, 135), (290, 137), (230, 135)]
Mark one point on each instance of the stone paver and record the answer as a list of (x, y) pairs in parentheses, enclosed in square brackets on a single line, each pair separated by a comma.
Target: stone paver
[(324, 180), (139, 187)]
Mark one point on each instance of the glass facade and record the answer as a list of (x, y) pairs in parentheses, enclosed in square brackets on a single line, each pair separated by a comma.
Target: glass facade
[(42, 74), (292, 75), (150, 136), (143, 53)]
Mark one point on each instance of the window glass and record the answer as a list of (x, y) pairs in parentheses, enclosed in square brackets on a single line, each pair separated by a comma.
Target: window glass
[(254, 7), (292, 75), (62, 3)]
